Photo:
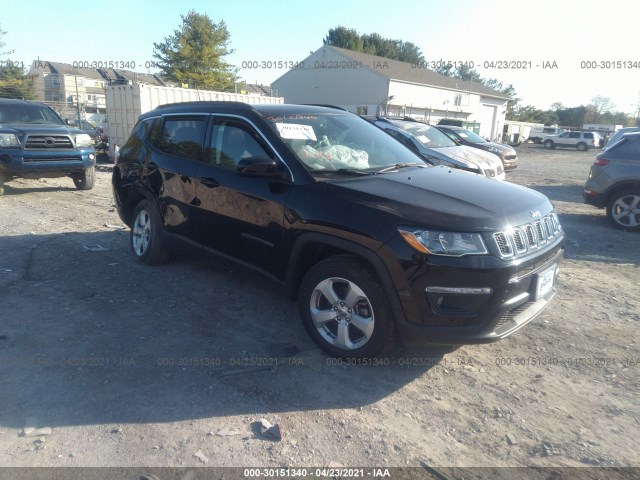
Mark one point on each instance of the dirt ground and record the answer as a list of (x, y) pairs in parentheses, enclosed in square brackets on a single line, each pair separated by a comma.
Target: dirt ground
[(174, 365)]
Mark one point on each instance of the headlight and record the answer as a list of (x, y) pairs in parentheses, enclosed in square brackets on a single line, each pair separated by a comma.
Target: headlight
[(83, 140), (450, 244), (8, 140)]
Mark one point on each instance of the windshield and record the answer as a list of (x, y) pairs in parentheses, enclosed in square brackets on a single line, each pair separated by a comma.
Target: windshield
[(427, 135), (28, 113), (340, 141), (469, 136)]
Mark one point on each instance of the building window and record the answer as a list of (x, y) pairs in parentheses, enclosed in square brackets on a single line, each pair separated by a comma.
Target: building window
[(461, 99)]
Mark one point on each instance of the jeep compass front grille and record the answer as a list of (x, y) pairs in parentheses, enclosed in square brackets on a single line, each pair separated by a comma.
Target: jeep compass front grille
[(528, 237), (44, 142)]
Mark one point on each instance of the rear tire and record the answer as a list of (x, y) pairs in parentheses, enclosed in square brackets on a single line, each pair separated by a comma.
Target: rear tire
[(145, 239), (623, 210), (549, 144), (345, 309), (582, 147), (85, 180), (1, 184)]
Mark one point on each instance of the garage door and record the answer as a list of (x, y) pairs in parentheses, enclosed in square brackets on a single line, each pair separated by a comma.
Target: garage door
[(487, 119)]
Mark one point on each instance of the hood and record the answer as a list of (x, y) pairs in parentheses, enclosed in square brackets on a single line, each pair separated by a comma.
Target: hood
[(38, 129), (505, 149), (471, 155), (440, 197)]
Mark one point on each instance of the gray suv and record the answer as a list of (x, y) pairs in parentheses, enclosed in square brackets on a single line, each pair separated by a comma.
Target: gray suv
[(614, 183)]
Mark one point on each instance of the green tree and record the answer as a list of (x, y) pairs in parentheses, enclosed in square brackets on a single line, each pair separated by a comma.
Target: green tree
[(14, 82), (373, 44), (195, 53), (344, 37)]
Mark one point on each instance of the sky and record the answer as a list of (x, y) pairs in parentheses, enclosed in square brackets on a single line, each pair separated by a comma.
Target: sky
[(570, 37)]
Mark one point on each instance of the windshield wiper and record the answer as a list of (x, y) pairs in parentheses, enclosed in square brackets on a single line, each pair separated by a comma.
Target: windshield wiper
[(344, 171), (398, 166)]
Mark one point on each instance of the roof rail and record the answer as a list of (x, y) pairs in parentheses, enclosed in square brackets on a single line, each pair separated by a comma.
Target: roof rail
[(325, 105)]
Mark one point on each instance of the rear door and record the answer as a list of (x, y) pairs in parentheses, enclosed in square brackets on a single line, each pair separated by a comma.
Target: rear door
[(177, 152), (241, 217)]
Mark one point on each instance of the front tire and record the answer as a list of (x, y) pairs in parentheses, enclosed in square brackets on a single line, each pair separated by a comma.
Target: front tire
[(623, 210), (146, 235), (85, 180), (549, 144), (345, 309)]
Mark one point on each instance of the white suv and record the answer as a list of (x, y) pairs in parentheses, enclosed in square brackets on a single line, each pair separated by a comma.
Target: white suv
[(583, 141)]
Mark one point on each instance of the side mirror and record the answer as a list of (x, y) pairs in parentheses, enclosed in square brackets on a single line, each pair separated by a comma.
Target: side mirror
[(260, 167)]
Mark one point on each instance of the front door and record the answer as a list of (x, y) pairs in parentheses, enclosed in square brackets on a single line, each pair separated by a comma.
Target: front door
[(239, 216)]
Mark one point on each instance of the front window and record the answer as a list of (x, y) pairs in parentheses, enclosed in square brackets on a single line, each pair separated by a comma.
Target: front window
[(335, 141), (470, 136), (427, 135), (28, 113)]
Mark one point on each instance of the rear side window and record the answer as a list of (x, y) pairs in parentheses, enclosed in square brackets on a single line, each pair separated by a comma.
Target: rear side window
[(132, 148), (588, 135), (626, 148), (182, 137)]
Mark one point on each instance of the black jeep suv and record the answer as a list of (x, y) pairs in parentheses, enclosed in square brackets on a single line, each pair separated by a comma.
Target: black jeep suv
[(36, 143), (369, 238)]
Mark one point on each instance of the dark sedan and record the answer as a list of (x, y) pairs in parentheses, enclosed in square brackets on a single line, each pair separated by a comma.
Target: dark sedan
[(462, 136)]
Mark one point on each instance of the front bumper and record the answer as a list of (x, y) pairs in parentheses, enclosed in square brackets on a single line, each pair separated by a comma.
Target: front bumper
[(456, 319), (39, 163)]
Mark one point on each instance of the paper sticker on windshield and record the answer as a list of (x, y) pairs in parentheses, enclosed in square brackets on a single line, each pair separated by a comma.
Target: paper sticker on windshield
[(423, 138), (294, 131)]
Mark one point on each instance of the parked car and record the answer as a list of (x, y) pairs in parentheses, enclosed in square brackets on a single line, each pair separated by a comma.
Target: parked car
[(614, 182), (537, 134), (618, 135), (83, 125), (365, 235), (583, 141), (36, 143), (438, 149), (463, 136)]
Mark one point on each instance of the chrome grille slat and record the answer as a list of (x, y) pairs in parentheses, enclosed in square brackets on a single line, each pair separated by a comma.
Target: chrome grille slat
[(525, 238)]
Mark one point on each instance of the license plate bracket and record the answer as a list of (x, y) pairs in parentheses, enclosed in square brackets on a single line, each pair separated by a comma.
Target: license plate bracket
[(546, 282)]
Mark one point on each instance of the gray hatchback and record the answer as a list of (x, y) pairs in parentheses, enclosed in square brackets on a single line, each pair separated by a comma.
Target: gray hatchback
[(614, 182)]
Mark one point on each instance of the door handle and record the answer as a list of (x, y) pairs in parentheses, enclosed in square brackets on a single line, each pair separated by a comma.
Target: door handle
[(209, 182)]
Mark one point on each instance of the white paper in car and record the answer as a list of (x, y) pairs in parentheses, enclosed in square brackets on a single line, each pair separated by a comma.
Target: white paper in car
[(423, 138), (294, 131)]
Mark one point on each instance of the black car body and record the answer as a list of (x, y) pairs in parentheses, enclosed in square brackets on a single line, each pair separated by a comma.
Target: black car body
[(36, 143), (364, 233), (463, 136)]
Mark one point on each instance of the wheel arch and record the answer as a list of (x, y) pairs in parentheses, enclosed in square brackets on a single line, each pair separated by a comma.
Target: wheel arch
[(312, 248), (619, 187), (130, 195)]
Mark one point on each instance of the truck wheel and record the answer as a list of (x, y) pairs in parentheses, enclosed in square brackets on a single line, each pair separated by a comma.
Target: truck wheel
[(623, 210), (345, 309), (582, 147), (85, 180), (1, 184), (549, 144), (146, 235)]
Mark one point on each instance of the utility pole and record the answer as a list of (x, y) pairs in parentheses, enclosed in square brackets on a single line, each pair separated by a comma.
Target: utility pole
[(77, 100)]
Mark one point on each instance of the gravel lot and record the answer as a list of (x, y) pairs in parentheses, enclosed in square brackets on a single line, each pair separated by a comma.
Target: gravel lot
[(136, 366)]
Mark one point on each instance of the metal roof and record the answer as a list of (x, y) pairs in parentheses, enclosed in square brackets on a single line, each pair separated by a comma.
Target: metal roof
[(407, 72)]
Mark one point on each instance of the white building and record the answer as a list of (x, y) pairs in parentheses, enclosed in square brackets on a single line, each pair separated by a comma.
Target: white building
[(367, 84)]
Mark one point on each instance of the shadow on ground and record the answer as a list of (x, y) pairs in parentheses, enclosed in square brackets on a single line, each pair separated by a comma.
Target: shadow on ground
[(92, 337)]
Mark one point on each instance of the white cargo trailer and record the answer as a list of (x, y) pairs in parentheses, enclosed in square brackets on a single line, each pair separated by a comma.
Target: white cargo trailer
[(125, 103)]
